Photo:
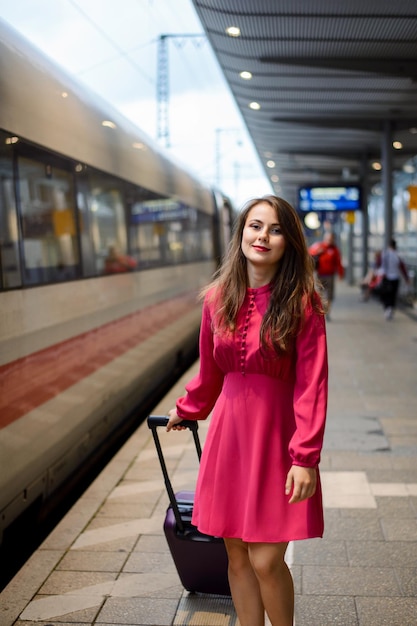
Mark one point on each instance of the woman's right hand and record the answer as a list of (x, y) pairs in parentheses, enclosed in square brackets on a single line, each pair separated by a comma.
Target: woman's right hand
[(174, 422)]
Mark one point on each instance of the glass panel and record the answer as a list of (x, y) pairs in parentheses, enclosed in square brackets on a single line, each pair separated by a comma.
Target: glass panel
[(9, 237), (103, 224), (165, 231), (48, 222)]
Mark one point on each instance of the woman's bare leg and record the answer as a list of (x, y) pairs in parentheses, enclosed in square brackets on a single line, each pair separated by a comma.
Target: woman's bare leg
[(244, 585), (275, 581)]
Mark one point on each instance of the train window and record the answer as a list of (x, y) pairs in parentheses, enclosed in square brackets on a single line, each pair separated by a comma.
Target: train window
[(102, 218), (48, 221), (9, 238), (165, 231)]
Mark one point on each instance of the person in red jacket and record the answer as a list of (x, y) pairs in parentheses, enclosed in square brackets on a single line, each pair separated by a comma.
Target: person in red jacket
[(328, 264)]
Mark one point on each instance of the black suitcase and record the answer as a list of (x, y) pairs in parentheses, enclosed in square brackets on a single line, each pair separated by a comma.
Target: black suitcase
[(201, 560)]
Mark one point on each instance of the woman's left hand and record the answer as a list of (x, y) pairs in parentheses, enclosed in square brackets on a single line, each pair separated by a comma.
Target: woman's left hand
[(302, 482)]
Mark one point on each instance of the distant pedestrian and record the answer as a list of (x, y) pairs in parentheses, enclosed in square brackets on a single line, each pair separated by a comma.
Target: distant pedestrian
[(392, 267), (328, 264)]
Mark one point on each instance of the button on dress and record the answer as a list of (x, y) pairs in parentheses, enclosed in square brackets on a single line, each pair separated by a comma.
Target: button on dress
[(268, 413)]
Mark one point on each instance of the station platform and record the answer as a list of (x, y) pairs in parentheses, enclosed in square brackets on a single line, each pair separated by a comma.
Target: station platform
[(108, 563)]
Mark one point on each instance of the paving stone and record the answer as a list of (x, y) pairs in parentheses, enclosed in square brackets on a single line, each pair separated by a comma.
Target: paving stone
[(151, 584), (349, 581), (399, 529), (386, 611), (83, 616), (148, 562), (123, 510), (296, 572), (381, 553), (87, 561), (65, 581), (359, 441), (319, 552), (325, 611), (151, 543), (407, 577), (48, 623), (394, 507), (381, 475), (355, 527), (398, 426), (124, 544), (138, 611)]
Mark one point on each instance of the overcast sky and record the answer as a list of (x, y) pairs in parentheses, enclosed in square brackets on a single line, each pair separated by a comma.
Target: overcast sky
[(112, 47)]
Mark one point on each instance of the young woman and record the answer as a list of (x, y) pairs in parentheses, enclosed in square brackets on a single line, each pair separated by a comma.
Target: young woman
[(263, 369)]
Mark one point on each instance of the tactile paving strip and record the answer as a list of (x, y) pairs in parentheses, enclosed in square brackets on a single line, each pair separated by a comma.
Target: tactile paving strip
[(205, 610)]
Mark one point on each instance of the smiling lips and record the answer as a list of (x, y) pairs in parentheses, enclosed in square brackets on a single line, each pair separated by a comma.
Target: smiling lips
[(261, 248)]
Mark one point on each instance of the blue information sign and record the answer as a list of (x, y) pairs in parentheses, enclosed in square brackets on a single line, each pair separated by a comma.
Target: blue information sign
[(337, 198)]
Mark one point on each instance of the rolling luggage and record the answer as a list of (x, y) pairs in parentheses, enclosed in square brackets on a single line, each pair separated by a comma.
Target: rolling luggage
[(201, 560)]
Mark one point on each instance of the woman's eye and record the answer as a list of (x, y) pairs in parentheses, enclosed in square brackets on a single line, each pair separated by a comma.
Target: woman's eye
[(276, 231)]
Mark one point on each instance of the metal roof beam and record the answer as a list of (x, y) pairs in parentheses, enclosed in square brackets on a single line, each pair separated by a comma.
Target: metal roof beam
[(356, 123), (405, 67)]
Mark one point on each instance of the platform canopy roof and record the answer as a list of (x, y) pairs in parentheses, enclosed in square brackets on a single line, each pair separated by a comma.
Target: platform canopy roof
[(330, 77)]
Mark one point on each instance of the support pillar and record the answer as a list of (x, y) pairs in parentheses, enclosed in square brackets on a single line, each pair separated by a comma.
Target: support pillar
[(365, 215), (387, 180)]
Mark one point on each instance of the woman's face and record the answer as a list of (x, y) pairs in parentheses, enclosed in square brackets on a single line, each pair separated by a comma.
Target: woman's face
[(263, 243)]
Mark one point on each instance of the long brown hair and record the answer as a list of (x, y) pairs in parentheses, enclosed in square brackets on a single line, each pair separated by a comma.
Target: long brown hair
[(293, 285)]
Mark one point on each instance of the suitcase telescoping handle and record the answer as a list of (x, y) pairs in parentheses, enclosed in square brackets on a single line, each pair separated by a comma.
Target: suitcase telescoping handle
[(162, 420), (155, 421)]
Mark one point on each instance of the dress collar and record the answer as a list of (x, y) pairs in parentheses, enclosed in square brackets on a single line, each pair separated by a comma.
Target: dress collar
[(259, 290)]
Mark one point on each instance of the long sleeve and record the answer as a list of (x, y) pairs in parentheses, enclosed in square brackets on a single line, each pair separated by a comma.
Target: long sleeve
[(204, 389), (310, 392)]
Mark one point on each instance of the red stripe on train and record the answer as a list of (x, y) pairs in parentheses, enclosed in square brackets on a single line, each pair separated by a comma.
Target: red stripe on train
[(32, 380)]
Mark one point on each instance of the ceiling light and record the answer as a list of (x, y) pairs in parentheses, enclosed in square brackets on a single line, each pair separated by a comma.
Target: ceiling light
[(312, 220), (138, 145), (255, 106), (413, 131), (11, 140), (233, 31), (376, 165), (270, 163), (64, 94), (275, 178), (108, 124), (397, 145), (245, 75)]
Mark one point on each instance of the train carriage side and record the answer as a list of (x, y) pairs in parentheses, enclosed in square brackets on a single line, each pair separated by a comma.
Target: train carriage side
[(84, 339)]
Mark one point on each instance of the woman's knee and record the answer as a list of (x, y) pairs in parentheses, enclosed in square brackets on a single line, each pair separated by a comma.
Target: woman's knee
[(237, 552), (267, 559)]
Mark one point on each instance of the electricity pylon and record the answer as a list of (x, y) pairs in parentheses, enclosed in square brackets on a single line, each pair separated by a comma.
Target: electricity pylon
[(162, 83)]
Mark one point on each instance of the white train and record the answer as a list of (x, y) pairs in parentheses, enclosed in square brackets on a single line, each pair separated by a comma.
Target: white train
[(83, 193)]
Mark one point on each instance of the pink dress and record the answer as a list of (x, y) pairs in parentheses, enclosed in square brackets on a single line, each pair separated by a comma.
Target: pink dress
[(269, 413)]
